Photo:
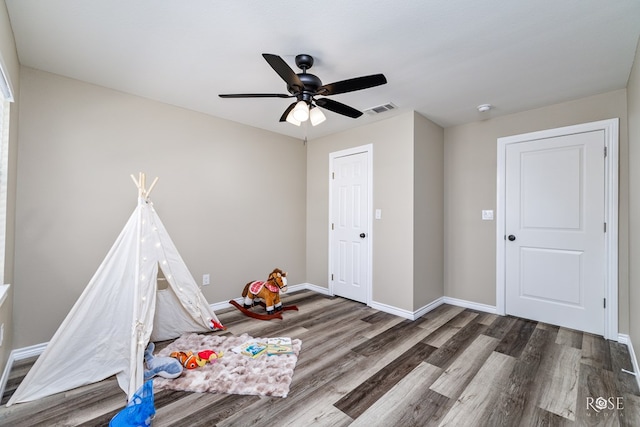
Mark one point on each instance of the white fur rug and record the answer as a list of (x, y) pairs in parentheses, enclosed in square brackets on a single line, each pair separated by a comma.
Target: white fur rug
[(233, 373)]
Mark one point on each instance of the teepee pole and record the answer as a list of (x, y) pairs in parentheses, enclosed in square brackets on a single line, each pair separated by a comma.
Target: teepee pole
[(153, 184), (141, 184)]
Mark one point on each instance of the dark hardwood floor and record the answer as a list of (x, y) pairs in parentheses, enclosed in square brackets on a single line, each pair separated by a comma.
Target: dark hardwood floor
[(362, 367)]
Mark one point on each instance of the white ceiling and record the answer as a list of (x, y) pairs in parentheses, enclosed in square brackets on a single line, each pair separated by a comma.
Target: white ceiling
[(442, 58)]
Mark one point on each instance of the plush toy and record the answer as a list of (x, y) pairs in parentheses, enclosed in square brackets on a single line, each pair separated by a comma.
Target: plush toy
[(192, 361), (217, 326), (268, 291), (166, 367), (210, 355)]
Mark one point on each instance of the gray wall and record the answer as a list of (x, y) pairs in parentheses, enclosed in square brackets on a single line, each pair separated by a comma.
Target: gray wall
[(428, 235), (232, 197), (407, 187), (633, 103), (392, 141), (470, 186), (12, 68)]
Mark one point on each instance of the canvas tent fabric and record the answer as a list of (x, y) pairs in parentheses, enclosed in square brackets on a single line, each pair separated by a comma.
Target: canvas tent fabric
[(120, 310)]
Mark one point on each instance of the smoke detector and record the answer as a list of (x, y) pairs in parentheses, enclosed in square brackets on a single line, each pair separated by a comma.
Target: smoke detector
[(484, 107)]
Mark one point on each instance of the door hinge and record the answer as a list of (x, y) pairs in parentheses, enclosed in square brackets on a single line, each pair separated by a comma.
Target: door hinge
[(332, 277), (605, 151), (605, 227), (604, 300), (333, 175), (332, 226)]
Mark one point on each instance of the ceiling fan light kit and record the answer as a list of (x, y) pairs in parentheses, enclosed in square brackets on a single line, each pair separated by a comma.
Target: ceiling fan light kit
[(305, 87), (292, 120), (300, 112), (316, 116)]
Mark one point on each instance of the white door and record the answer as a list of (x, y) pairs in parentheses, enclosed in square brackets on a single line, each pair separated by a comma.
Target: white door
[(349, 235), (555, 230)]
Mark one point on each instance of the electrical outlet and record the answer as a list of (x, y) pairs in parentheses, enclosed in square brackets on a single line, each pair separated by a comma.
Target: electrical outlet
[(1, 334), (205, 280)]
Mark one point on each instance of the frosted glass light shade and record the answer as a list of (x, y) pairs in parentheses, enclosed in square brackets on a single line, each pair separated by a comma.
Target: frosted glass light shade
[(292, 119), (316, 116), (301, 111)]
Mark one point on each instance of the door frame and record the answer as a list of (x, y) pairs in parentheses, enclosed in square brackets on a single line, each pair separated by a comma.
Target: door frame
[(611, 141), (368, 150)]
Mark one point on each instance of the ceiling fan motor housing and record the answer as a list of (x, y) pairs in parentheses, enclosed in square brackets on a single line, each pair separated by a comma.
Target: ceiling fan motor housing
[(311, 84)]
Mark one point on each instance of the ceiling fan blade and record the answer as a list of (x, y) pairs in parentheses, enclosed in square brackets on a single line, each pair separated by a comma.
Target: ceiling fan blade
[(283, 70), (350, 85), (287, 111), (338, 107), (255, 95)]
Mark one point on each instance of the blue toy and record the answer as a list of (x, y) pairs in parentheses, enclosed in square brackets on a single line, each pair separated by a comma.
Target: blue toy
[(166, 367), (140, 410)]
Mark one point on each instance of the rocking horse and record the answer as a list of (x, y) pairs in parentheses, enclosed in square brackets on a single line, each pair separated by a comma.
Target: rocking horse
[(267, 294)]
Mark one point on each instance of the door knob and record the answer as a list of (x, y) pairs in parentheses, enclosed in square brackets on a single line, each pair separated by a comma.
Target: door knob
[(362, 235), (511, 237)]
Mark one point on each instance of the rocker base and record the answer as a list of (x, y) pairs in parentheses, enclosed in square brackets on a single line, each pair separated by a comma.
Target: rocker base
[(276, 315)]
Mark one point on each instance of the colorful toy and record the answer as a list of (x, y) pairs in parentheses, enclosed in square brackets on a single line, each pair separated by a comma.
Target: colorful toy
[(166, 367), (193, 361), (268, 291), (217, 326), (210, 355)]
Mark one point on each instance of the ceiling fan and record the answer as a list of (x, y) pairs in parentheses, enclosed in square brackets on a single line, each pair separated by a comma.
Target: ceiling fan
[(305, 87)]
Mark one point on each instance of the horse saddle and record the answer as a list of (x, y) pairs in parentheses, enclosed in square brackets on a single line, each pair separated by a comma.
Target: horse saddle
[(256, 287)]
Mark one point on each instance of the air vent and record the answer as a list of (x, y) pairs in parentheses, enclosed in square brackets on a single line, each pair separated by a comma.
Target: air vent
[(380, 109)]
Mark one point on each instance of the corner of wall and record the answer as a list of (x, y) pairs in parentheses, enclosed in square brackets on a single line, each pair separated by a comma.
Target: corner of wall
[(633, 129), (428, 211)]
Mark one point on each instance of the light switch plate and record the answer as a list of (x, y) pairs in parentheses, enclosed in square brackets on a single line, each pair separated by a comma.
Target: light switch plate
[(378, 213), (487, 215)]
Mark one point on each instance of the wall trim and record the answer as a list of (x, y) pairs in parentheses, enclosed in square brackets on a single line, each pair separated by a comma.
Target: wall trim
[(626, 340), (293, 288), (311, 287), (472, 305), (400, 312), (427, 308), (17, 355), (4, 290)]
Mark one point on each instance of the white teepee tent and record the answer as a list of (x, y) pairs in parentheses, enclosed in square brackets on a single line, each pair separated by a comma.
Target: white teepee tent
[(120, 311)]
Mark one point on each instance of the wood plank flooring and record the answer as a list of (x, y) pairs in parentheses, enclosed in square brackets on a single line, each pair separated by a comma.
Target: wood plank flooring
[(362, 367)]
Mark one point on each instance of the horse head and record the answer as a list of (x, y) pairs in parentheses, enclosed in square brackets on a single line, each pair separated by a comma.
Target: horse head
[(279, 277)]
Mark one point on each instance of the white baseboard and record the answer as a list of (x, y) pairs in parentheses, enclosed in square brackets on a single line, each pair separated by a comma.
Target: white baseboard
[(472, 305), (310, 286), (5, 374), (427, 308), (27, 352), (411, 315), (225, 304), (392, 310), (16, 355), (4, 290), (626, 340), (432, 305), (293, 288)]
